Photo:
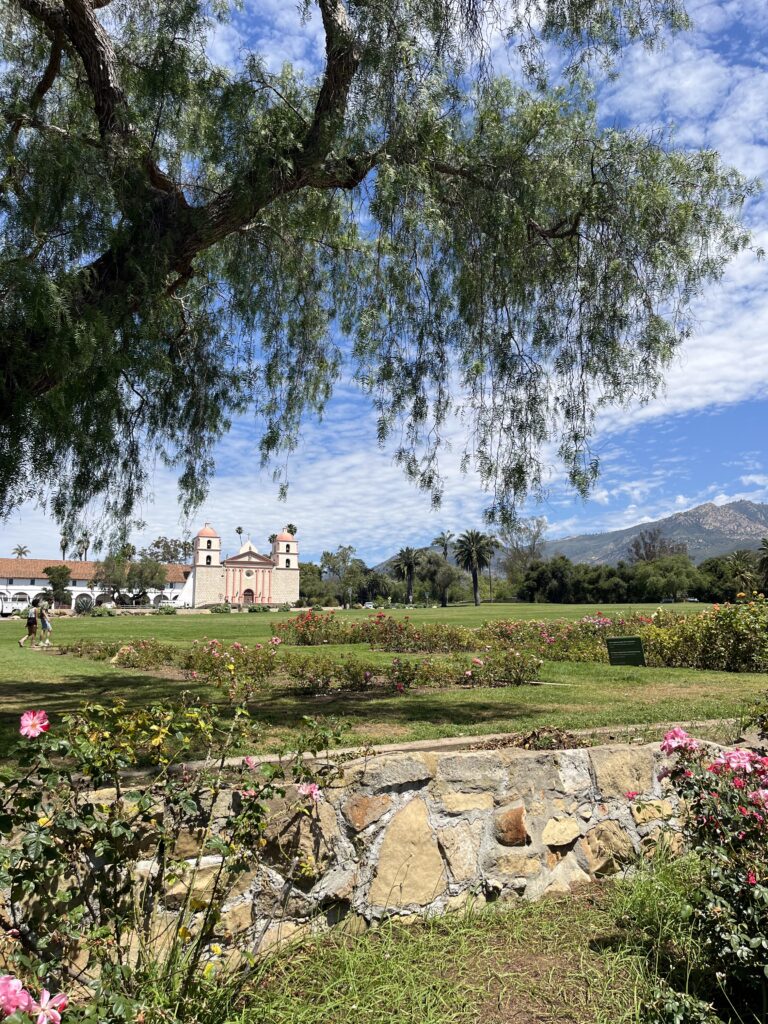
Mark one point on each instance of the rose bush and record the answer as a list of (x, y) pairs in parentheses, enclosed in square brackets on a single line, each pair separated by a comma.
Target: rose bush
[(725, 825)]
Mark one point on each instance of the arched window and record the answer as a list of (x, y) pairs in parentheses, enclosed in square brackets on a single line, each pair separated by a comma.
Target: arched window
[(209, 545), (287, 563), (287, 547), (208, 558)]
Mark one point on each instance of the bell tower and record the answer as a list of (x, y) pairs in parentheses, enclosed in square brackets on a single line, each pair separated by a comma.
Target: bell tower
[(207, 547), (285, 551)]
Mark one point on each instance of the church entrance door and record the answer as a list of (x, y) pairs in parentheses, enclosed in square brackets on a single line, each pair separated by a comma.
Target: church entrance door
[(247, 597)]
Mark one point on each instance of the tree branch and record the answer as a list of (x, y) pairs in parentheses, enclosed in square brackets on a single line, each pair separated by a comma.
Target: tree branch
[(341, 62)]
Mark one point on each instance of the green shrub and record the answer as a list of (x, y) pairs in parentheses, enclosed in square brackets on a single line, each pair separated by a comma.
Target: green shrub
[(220, 609)]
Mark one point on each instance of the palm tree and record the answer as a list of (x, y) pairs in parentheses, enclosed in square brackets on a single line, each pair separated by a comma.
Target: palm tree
[(741, 565), (291, 528), (64, 543), (762, 563), (82, 544), (239, 532), (443, 541), (473, 552), (21, 551), (404, 567)]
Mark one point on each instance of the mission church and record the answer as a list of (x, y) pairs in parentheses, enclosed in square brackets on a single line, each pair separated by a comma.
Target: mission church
[(245, 578)]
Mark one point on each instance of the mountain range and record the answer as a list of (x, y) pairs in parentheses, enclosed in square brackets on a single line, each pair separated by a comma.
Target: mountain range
[(707, 530)]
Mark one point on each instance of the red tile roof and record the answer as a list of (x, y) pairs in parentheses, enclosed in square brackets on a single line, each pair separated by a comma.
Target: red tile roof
[(33, 568)]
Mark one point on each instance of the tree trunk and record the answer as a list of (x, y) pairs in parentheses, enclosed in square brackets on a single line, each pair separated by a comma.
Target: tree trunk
[(475, 586), (444, 599), (409, 584)]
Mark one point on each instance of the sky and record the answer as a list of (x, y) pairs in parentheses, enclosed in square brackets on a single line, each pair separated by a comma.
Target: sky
[(702, 440)]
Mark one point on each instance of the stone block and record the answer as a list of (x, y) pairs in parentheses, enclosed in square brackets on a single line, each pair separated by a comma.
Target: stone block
[(410, 869), (462, 803), (563, 878), (235, 920), (460, 844), (573, 771), (560, 832), (606, 848), (308, 838), (393, 772), (510, 828), (534, 775), (472, 772), (361, 810), (619, 770), (652, 810), (516, 865)]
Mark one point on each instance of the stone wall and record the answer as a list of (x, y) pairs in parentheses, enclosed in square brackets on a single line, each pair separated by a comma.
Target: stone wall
[(414, 834)]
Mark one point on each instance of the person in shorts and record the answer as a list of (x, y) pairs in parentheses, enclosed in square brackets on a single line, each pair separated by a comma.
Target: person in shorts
[(31, 626), (46, 625)]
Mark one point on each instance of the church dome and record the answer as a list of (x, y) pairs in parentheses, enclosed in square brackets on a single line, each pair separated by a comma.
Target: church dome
[(248, 548), (207, 531), (285, 536)]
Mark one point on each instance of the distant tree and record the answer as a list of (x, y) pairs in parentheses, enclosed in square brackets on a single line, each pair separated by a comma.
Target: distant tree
[(443, 541), (291, 528), (21, 551), (111, 575), (742, 567), (473, 552), (169, 550), (127, 551), (651, 544), (272, 538), (82, 545), (239, 532), (145, 575), (64, 543), (60, 578), (404, 568), (343, 571), (440, 574), (673, 576), (522, 543), (762, 563)]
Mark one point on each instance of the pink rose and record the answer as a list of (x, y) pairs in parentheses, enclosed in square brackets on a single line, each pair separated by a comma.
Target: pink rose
[(631, 794), (678, 739), (759, 797), (13, 996), (311, 790), (250, 762), (33, 723), (48, 1008)]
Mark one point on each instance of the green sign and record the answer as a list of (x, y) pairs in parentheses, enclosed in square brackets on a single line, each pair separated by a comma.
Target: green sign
[(625, 650)]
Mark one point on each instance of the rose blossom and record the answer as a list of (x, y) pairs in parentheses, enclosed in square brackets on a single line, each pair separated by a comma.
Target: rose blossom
[(33, 723), (48, 1007), (13, 996), (678, 739), (250, 762), (759, 797), (310, 789)]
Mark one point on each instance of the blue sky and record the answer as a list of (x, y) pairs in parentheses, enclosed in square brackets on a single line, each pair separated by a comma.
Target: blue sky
[(703, 440)]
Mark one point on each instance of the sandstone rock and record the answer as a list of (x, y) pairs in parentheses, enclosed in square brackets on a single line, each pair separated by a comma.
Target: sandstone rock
[(651, 810), (236, 920), (187, 844), (573, 771), (460, 803), (310, 839), (662, 839), (388, 772), (534, 775), (605, 848), (560, 832), (410, 869), (361, 810), (278, 934), (563, 878), (199, 881), (460, 844), (514, 864), (619, 770), (510, 828), (472, 771)]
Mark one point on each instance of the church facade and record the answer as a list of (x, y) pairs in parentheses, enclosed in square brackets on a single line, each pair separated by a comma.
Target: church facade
[(245, 578)]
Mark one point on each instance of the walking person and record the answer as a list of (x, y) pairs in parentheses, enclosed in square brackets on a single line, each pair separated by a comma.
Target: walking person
[(31, 626), (46, 624)]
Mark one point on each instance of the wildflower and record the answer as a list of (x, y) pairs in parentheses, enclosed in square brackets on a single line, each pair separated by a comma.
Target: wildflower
[(48, 1008), (678, 739), (13, 996), (310, 789), (33, 723)]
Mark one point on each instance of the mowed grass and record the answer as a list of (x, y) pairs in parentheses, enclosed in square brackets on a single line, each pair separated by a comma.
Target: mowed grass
[(586, 695)]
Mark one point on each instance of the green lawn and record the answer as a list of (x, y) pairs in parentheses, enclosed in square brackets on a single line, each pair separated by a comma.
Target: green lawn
[(593, 695)]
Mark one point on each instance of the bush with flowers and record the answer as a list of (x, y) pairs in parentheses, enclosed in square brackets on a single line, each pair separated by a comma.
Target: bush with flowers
[(107, 940), (725, 825)]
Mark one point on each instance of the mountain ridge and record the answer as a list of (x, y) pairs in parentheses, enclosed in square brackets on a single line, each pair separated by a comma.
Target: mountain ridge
[(707, 530)]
